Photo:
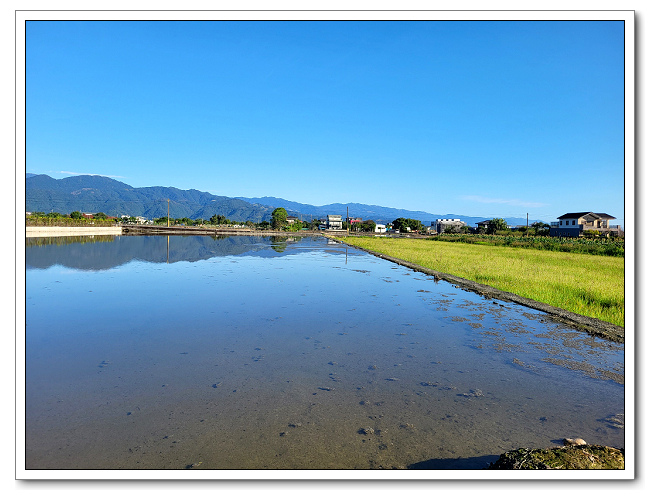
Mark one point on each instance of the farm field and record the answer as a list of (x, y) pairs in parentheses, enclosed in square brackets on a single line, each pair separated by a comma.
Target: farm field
[(590, 285)]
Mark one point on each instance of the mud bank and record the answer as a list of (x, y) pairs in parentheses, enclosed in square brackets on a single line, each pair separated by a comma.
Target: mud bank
[(586, 324), (563, 457)]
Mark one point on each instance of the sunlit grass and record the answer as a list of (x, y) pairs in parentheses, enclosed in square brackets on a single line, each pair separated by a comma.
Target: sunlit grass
[(591, 285)]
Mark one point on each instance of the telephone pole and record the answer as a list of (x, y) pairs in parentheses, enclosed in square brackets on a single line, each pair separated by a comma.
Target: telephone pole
[(167, 212)]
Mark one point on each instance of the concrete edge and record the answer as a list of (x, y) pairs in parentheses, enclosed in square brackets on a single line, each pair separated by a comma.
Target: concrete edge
[(586, 324), (47, 231)]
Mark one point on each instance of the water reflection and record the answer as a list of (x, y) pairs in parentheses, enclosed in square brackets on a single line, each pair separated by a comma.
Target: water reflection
[(106, 252), (321, 357)]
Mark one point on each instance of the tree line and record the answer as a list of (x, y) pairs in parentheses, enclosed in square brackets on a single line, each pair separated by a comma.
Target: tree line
[(280, 221)]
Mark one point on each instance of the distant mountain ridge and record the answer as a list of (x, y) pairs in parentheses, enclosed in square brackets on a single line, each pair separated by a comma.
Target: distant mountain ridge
[(376, 213), (94, 193)]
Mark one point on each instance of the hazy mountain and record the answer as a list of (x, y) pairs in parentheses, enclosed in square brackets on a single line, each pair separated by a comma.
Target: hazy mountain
[(94, 193), (377, 213)]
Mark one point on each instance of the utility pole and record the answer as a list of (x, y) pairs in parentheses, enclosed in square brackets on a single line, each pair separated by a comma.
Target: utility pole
[(167, 212), (347, 218)]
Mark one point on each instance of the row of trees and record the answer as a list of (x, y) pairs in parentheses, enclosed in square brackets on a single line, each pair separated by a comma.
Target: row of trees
[(280, 221), (366, 226), (405, 225), (500, 226), (73, 219), (74, 215)]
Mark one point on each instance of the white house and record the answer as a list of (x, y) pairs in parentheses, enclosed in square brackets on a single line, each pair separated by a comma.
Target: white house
[(380, 228), (334, 222)]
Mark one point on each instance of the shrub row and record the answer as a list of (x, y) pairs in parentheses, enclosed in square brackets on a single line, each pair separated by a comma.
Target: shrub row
[(67, 222), (610, 247)]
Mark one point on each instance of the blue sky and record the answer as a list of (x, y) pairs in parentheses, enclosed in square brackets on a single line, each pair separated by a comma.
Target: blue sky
[(494, 119)]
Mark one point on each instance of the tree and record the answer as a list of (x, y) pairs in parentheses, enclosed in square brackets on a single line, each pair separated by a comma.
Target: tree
[(415, 225), (219, 219), (100, 216), (400, 224), (278, 218), (541, 228), (404, 225), (76, 215), (368, 226), (495, 225)]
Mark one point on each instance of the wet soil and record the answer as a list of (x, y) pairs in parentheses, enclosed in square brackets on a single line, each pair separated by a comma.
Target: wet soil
[(579, 322)]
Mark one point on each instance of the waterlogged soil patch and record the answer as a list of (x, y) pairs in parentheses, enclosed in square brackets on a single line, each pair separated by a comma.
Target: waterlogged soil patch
[(587, 324), (563, 457)]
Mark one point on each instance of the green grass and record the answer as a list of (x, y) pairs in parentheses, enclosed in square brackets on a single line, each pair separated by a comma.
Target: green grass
[(590, 285)]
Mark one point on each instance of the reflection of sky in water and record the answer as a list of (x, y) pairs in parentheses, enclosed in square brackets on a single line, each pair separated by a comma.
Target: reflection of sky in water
[(319, 334)]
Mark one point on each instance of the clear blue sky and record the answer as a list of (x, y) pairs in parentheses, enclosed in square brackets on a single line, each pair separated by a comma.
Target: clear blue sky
[(494, 119)]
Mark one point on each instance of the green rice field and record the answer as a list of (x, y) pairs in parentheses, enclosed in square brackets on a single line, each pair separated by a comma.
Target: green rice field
[(590, 285)]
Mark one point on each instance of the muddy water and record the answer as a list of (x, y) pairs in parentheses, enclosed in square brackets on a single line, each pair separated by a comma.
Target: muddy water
[(252, 353)]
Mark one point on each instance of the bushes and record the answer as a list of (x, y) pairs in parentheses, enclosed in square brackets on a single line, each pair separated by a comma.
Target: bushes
[(67, 222), (614, 248)]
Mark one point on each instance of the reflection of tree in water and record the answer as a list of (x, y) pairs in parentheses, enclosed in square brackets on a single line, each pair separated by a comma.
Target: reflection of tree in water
[(110, 251), (66, 240), (279, 243)]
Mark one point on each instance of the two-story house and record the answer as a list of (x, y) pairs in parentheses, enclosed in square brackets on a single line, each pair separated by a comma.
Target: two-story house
[(573, 224), (334, 222)]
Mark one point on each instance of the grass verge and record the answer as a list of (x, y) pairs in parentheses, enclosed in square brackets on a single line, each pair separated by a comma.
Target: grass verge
[(590, 285)]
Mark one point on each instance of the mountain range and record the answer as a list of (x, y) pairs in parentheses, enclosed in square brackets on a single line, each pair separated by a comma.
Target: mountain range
[(94, 193)]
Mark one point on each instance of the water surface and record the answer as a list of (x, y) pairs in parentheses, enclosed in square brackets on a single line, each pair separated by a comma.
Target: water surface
[(154, 352)]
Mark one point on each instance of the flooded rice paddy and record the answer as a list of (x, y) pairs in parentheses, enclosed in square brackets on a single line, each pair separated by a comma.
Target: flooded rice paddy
[(154, 352)]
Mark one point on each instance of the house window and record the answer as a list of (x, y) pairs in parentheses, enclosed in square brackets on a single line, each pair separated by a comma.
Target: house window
[(574, 222)]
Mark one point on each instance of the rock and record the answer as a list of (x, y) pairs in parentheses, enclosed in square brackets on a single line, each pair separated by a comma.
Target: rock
[(574, 442)]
